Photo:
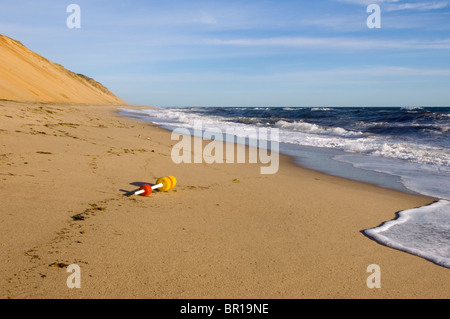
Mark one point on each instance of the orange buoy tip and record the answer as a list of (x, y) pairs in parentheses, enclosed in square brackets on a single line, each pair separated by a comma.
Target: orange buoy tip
[(147, 190)]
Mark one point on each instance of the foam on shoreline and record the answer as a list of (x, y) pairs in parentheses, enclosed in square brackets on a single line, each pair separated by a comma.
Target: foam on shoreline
[(420, 231)]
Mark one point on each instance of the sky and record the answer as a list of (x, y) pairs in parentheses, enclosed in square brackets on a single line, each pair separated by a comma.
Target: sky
[(247, 52)]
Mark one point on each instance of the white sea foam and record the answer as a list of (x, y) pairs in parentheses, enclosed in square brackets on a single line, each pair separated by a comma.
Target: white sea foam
[(429, 180), (368, 145), (301, 126), (411, 108), (423, 231)]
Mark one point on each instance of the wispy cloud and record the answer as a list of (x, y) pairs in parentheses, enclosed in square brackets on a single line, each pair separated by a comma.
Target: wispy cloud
[(334, 75), (419, 6), (206, 18), (333, 43), (367, 2), (399, 5)]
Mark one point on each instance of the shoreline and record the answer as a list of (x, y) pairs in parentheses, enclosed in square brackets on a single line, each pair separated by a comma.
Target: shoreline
[(306, 161), (225, 231)]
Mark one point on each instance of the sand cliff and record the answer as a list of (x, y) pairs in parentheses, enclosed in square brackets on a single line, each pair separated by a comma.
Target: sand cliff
[(27, 76)]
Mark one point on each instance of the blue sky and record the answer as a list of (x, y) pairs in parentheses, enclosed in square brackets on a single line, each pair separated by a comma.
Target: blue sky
[(247, 52)]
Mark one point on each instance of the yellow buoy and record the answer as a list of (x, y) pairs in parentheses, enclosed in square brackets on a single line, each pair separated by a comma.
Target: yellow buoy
[(168, 182)]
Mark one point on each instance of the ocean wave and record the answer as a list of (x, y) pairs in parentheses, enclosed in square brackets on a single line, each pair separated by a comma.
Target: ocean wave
[(161, 116), (246, 120), (302, 126), (411, 108), (370, 145)]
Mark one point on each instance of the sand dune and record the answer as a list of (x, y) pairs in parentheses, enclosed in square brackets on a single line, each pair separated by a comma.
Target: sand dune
[(27, 76)]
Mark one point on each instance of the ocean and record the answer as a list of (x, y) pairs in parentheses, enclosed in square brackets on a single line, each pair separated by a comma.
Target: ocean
[(406, 149)]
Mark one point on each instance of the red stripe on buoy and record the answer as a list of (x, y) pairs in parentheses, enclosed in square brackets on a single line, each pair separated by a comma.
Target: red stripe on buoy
[(171, 182)]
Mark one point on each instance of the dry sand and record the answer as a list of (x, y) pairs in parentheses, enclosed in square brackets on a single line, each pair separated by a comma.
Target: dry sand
[(225, 231)]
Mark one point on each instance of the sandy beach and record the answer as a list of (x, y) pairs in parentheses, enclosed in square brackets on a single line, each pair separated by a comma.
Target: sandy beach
[(224, 231)]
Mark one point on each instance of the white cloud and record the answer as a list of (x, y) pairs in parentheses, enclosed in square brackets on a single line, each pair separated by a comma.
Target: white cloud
[(367, 2), (206, 18), (419, 6), (333, 43), (331, 75), (397, 5)]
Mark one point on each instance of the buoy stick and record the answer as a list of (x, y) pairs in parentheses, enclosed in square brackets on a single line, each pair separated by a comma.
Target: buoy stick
[(157, 186), (139, 192)]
